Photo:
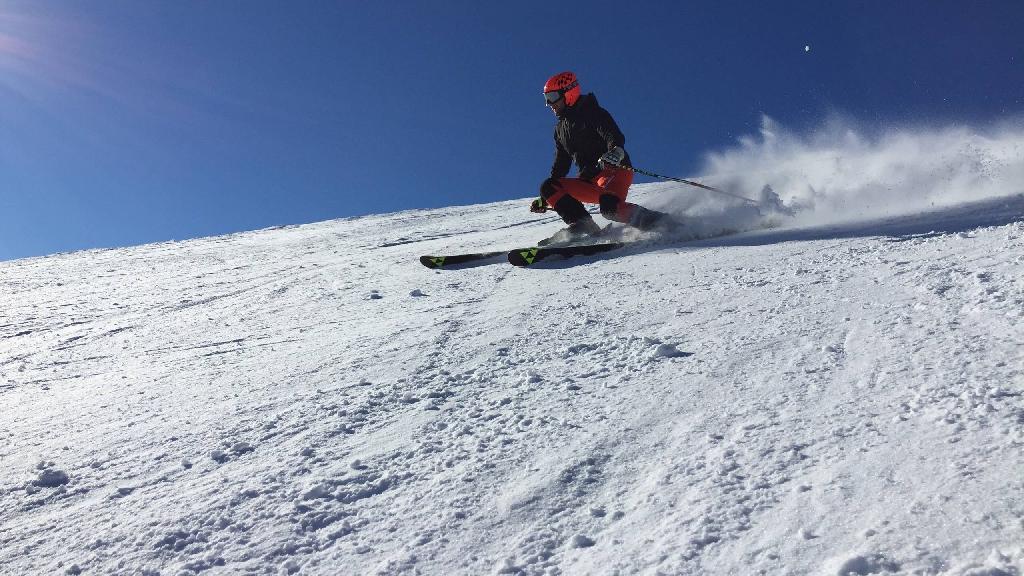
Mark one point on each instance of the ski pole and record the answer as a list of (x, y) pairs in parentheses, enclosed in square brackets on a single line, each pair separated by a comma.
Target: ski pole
[(690, 182)]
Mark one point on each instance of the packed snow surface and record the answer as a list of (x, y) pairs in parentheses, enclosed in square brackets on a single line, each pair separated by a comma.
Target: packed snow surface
[(815, 398)]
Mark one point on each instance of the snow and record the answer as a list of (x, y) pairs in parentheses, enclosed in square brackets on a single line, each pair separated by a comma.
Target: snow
[(825, 397)]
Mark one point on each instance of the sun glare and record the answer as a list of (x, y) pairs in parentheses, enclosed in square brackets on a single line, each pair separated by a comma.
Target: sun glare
[(39, 52), (20, 54)]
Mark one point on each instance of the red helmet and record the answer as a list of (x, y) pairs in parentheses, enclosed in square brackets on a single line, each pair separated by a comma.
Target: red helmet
[(564, 84)]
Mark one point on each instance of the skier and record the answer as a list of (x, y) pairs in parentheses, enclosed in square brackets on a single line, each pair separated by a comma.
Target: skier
[(585, 132)]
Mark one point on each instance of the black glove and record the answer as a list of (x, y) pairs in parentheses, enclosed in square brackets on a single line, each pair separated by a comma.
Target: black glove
[(539, 206), (613, 157)]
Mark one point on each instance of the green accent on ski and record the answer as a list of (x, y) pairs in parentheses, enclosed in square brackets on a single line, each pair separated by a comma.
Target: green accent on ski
[(438, 262), (529, 255)]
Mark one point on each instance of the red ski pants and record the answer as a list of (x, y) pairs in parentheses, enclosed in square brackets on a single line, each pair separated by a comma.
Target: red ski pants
[(611, 181)]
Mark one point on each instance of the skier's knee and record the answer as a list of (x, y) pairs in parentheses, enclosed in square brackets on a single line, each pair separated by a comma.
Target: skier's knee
[(609, 206), (549, 187)]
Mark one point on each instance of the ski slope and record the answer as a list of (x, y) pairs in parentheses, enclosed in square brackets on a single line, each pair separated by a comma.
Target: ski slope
[(845, 398)]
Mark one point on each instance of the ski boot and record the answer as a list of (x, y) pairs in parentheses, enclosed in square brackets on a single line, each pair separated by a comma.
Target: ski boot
[(665, 226), (578, 232), (581, 224), (651, 220)]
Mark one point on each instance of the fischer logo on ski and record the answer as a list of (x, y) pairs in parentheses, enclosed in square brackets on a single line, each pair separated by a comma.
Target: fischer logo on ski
[(529, 255)]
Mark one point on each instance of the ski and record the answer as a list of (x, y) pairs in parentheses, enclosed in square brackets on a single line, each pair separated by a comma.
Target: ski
[(529, 256), (517, 257), (459, 260)]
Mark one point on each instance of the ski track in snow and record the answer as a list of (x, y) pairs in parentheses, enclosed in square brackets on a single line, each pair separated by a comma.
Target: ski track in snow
[(311, 400)]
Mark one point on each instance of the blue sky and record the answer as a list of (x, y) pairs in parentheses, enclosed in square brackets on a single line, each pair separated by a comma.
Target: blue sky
[(132, 121)]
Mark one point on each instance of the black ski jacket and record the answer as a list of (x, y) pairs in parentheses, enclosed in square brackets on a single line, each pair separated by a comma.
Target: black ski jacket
[(584, 133)]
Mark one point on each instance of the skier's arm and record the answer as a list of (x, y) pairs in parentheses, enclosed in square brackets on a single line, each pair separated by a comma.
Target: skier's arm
[(609, 130), (563, 161)]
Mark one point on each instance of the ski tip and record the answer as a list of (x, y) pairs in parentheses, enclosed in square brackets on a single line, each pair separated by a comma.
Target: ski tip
[(523, 256), (432, 261)]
